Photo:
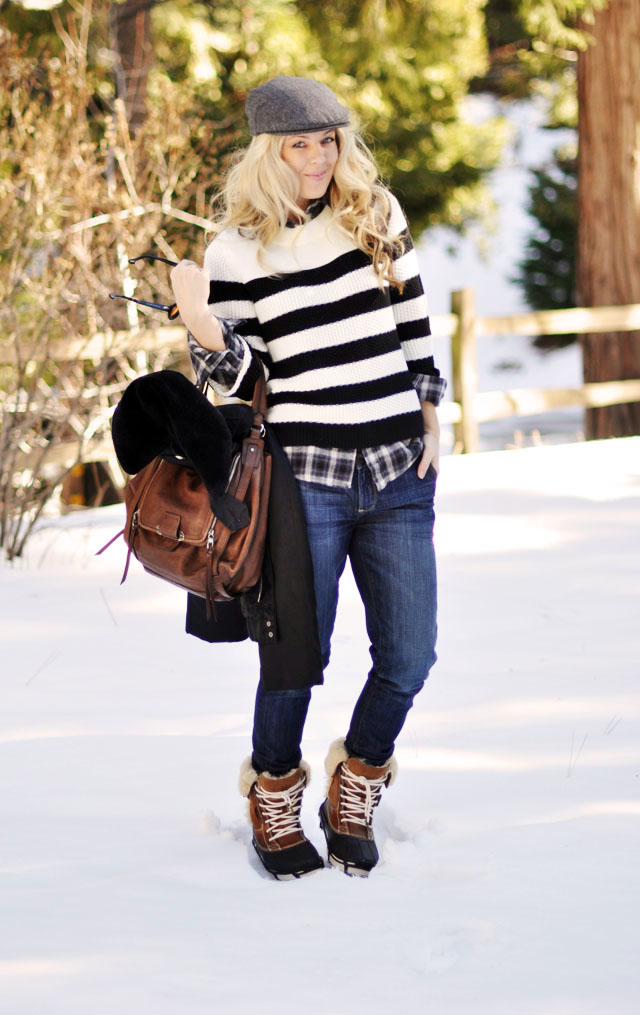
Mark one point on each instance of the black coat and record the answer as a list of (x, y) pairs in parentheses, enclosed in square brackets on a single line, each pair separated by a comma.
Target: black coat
[(164, 413)]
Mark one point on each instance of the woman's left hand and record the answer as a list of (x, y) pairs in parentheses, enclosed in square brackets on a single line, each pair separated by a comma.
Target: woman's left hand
[(431, 453)]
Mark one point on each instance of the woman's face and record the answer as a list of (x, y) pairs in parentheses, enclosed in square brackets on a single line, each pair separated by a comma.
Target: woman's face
[(313, 157)]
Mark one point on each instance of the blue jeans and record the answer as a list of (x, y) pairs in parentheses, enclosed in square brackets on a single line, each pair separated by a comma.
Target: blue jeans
[(388, 537)]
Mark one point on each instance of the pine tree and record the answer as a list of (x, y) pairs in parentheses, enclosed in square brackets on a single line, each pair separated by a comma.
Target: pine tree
[(547, 272)]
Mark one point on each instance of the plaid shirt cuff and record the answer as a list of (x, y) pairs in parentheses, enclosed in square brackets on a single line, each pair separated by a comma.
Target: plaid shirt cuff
[(223, 369), (429, 387)]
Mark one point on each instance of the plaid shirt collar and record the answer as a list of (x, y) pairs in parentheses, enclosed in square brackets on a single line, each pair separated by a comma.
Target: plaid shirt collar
[(312, 210)]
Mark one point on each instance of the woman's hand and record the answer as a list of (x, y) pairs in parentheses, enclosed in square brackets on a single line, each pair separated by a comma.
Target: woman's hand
[(190, 286), (431, 453)]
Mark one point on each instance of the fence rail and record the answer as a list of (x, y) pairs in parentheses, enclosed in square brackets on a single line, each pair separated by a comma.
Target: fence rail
[(469, 406)]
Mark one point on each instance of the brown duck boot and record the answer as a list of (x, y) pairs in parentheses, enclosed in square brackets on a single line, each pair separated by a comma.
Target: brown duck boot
[(346, 815), (274, 811)]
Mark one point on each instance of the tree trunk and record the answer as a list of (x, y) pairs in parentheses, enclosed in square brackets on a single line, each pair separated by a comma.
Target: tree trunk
[(609, 201), (131, 33)]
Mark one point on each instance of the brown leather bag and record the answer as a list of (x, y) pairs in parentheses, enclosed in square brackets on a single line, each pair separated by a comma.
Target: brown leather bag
[(173, 532)]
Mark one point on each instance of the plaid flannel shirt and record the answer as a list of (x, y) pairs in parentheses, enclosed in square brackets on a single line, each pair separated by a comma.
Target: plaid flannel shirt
[(327, 466)]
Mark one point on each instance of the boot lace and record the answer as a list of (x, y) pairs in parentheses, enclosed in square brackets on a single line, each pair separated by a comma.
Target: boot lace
[(359, 796), (281, 808)]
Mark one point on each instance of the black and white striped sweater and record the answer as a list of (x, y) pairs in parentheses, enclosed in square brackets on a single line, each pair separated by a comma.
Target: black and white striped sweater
[(340, 352)]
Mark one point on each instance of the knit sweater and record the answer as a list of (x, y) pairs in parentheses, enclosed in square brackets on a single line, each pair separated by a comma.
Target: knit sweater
[(339, 351)]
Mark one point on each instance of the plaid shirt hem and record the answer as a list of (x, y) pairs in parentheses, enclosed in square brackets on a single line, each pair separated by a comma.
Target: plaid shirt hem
[(335, 467)]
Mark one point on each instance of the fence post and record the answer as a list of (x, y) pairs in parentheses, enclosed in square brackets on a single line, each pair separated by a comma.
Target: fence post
[(464, 363)]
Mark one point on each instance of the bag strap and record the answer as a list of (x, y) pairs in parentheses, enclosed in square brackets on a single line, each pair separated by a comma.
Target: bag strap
[(259, 398), (259, 401)]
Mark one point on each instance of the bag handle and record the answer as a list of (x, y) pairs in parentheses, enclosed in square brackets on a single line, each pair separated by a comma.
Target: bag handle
[(259, 398)]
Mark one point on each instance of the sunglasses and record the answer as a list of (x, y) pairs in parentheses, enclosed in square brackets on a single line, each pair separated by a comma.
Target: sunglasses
[(171, 310)]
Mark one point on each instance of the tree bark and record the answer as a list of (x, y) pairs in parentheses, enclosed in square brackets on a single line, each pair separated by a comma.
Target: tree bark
[(130, 24), (609, 201)]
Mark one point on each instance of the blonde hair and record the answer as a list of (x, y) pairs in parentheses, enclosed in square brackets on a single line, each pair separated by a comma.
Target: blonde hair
[(260, 194)]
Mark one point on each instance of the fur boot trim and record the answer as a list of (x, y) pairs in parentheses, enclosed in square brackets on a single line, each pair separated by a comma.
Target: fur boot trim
[(338, 752), (393, 769), (248, 775)]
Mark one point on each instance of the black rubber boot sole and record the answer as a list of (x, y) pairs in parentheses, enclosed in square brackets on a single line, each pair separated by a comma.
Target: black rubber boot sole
[(292, 863), (356, 857)]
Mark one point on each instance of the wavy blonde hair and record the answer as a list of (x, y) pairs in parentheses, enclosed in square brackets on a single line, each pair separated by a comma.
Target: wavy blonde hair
[(259, 198)]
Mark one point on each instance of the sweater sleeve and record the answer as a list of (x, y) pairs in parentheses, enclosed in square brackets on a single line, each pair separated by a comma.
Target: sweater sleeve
[(234, 370), (411, 314)]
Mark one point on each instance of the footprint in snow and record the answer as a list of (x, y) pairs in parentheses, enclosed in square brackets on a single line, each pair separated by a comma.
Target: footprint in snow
[(210, 824), (439, 950)]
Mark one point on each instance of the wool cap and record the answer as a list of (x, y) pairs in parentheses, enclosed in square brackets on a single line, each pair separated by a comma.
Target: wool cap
[(289, 105)]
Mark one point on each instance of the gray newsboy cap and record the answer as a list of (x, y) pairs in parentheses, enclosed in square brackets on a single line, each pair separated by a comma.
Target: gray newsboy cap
[(288, 105)]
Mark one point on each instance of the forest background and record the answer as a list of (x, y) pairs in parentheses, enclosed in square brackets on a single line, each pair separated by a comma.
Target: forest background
[(118, 120)]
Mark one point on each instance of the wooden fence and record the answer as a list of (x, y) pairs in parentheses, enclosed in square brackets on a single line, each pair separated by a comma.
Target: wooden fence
[(469, 406)]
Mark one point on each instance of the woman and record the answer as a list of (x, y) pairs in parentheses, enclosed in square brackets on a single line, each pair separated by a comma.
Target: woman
[(313, 274)]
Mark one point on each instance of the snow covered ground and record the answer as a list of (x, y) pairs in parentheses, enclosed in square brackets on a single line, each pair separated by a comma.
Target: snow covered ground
[(509, 874)]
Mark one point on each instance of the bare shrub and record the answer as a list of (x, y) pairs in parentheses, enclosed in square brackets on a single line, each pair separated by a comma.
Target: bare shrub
[(79, 195)]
